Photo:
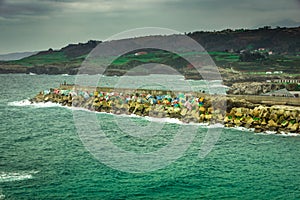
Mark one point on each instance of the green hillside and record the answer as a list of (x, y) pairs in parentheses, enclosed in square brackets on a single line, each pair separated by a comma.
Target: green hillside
[(247, 51)]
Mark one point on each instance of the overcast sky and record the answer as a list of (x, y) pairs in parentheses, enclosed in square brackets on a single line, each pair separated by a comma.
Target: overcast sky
[(29, 25)]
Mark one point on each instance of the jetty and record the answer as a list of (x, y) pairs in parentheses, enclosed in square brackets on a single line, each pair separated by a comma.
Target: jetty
[(261, 113)]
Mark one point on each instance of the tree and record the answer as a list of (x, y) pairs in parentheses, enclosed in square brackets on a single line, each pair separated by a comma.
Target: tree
[(252, 57)]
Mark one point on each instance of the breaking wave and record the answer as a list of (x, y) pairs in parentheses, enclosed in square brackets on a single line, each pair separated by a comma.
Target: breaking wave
[(16, 176), (26, 102)]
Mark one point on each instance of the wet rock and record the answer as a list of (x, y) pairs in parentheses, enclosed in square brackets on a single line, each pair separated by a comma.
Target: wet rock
[(294, 127)]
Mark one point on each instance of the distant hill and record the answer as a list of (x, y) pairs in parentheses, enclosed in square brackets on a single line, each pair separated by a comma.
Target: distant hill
[(224, 47), (63, 61), (279, 40), (15, 56)]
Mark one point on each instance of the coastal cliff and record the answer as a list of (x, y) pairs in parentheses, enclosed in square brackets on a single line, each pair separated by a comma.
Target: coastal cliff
[(190, 107)]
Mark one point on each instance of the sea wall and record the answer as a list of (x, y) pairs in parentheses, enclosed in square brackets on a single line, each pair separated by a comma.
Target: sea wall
[(269, 100), (187, 107)]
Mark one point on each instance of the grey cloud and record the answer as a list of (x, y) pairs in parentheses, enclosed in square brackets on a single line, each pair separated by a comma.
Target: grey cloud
[(27, 8), (260, 5), (36, 24)]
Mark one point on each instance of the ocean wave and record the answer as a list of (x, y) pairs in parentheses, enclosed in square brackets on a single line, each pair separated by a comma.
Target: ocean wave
[(240, 128), (2, 196), (26, 102), (16, 176), (286, 134), (218, 86), (217, 125), (149, 118), (164, 120), (265, 132)]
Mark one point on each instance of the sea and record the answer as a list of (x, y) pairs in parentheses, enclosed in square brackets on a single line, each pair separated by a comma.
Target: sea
[(52, 152)]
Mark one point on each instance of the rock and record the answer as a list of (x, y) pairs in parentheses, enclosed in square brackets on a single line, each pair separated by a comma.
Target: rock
[(202, 109), (284, 123), (47, 98), (248, 126), (210, 110), (256, 112), (227, 119), (161, 115), (229, 125), (202, 118), (293, 114), (208, 117), (280, 112), (271, 123), (273, 116), (239, 112), (96, 105), (273, 128), (257, 129), (220, 118), (249, 121), (253, 88), (294, 127), (183, 112), (237, 122), (287, 114), (195, 114), (264, 122)]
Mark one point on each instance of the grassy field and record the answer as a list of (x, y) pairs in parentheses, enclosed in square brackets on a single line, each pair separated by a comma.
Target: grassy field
[(43, 59), (286, 63)]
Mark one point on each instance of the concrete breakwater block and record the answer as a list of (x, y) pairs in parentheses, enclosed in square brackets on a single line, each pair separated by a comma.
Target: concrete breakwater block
[(197, 108)]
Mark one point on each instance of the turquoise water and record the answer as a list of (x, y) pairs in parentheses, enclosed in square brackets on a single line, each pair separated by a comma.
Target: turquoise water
[(42, 157)]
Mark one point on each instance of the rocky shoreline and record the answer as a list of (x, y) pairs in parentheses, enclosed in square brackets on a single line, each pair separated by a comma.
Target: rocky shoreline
[(187, 107)]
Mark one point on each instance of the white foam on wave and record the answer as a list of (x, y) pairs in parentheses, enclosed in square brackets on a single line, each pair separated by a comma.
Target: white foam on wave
[(285, 134), (155, 119), (26, 102), (218, 86), (164, 120), (265, 132), (177, 121), (218, 125), (269, 132), (19, 103), (240, 128), (16, 176), (288, 134), (152, 119)]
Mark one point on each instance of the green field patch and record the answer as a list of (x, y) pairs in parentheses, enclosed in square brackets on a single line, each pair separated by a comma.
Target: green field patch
[(55, 57)]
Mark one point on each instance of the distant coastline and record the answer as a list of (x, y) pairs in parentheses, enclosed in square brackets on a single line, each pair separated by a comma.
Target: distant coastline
[(242, 50)]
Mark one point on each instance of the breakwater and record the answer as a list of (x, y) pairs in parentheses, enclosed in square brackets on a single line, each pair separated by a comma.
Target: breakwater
[(196, 107)]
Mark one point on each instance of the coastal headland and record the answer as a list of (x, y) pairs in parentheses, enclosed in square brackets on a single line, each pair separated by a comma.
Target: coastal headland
[(260, 113)]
